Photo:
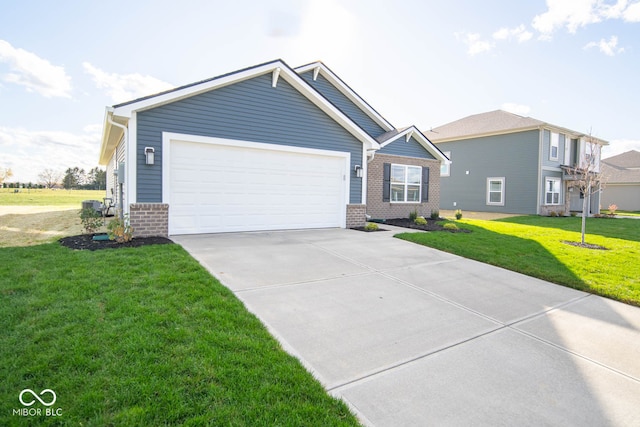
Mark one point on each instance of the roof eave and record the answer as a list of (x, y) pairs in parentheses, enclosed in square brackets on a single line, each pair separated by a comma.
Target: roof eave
[(344, 88), (422, 140), (110, 137), (125, 111)]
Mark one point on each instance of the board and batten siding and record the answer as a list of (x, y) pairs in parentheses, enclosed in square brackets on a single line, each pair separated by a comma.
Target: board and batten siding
[(513, 156), (402, 147), (250, 110), (344, 104)]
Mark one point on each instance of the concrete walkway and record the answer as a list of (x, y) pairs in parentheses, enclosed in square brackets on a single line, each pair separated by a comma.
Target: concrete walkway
[(409, 335)]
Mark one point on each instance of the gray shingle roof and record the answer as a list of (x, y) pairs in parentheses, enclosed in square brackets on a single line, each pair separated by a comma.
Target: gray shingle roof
[(623, 168), (485, 123)]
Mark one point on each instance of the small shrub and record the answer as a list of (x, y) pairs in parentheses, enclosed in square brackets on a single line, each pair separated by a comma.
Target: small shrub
[(450, 226), (120, 230), (420, 221), (560, 213), (459, 214), (413, 215), (435, 214), (612, 209), (553, 214), (91, 220), (371, 226), (574, 214)]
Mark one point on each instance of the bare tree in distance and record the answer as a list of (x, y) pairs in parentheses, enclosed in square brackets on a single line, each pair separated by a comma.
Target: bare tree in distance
[(49, 177), (5, 173)]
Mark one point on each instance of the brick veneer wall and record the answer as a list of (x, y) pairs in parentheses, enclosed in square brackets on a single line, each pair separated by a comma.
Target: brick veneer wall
[(149, 219), (386, 210), (356, 216)]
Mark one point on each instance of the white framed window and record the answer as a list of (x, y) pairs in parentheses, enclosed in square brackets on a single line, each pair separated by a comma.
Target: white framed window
[(406, 183), (495, 191), (552, 191), (445, 168), (554, 146)]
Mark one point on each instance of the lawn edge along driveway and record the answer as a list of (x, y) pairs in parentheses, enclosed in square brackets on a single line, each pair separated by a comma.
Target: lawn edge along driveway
[(143, 336)]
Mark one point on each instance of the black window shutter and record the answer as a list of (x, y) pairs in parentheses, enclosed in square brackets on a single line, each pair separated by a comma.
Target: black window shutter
[(386, 182), (425, 184)]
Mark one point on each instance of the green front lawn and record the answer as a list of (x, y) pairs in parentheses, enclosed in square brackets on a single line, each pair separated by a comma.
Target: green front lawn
[(143, 337), (533, 245), (47, 197), (623, 213)]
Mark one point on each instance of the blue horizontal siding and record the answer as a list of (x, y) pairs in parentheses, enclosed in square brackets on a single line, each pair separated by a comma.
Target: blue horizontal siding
[(345, 105), (411, 148), (250, 110)]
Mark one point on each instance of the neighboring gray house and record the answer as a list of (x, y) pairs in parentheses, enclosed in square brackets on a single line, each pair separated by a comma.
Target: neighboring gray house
[(622, 181), (503, 162), (264, 148)]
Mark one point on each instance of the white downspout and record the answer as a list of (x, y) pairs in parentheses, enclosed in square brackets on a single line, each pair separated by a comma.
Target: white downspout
[(126, 141)]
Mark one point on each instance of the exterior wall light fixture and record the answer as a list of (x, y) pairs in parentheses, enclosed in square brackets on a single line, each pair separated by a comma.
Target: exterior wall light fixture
[(149, 154)]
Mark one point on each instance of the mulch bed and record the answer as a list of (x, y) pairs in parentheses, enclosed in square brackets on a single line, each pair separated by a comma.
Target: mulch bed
[(367, 231), (86, 242), (432, 225), (585, 245)]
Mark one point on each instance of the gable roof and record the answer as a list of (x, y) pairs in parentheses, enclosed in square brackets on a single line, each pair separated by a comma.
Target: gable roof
[(408, 133), (320, 68), (496, 122), (623, 168), (117, 117)]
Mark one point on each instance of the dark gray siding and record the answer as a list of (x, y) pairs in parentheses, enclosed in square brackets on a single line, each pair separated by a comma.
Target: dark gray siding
[(345, 105), (250, 110), (412, 148), (513, 156)]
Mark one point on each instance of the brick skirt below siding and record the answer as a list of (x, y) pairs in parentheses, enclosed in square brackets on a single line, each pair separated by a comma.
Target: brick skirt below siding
[(356, 216), (149, 219)]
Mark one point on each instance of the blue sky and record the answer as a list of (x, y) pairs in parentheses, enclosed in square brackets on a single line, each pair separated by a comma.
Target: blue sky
[(572, 63)]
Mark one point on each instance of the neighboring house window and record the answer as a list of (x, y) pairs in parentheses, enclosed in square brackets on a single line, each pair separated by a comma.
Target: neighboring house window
[(406, 182), (552, 191), (495, 191), (555, 146), (445, 168)]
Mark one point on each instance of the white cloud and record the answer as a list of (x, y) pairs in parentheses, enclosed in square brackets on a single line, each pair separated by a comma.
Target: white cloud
[(28, 152), (125, 87), (570, 14), (632, 13), (474, 43), (609, 48), (36, 74), (519, 109), (520, 33), (574, 14)]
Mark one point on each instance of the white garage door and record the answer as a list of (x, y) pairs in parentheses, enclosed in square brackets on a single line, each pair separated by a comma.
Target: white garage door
[(217, 185)]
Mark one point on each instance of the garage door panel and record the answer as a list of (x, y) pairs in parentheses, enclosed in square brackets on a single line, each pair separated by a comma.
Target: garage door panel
[(220, 188)]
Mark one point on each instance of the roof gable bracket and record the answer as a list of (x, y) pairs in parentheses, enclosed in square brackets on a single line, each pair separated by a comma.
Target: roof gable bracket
[(316, 71), (274, 77), (408, 136)]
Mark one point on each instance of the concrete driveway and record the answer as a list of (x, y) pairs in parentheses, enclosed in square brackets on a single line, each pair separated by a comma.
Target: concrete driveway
[(409, 335)]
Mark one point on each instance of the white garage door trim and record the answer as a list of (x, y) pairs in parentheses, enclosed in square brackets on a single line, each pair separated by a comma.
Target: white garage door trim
[(168, 138)]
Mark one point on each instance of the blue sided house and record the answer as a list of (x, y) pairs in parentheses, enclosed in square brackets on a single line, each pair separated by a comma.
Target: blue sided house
[(268, 147)]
